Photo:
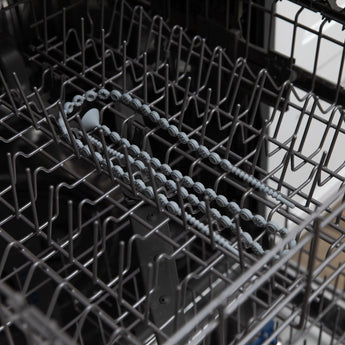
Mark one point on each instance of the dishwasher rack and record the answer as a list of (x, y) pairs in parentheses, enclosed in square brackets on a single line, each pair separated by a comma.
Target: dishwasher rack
[(124, 231)]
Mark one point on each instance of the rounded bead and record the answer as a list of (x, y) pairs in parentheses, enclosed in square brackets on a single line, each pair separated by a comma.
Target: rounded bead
[(125, 142), (198, 187), (79, 143), (176, 175), (182, 137), (134, 150), (117, 171), (184, 193), (148, 192), (106, 130), (272, 227), (160, 178), (78, 100), (203, 151), (283, 232), (226, 165), (292, 244), (162, 199), (166, 169), (136, 104), (187, 181), (193, 199), (144, 156), (173, 130), (115, 95), (163, 123), (210, 193), (173, 208), (214, 158), (222, 201), (233, 207), (139, 165), (215, 213), (202, 206), (90, 95), (85, 151), (257, 249), (225, 222), (125, 178), (246, 214), (170, 186), (145, 109), (193, 144), (114, 137), (139, 185), (98, 156), (104, 164), (259, 221), (155, 163), (126, 98), (68, 107), (246, 239), (103, 94), (154, 116)]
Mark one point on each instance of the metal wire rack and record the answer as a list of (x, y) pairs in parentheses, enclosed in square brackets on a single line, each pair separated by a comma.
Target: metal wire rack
[(86, 257)]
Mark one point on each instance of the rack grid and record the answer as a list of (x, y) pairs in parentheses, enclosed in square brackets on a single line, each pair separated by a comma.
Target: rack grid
[(95, 260)]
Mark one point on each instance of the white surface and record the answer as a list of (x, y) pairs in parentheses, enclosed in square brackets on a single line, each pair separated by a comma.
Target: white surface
[(328, 66)]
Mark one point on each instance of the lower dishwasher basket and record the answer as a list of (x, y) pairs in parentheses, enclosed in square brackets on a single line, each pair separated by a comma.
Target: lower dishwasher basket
[(151, 192)]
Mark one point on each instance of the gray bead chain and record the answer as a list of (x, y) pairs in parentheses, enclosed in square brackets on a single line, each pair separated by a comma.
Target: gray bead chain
[(198, 187), (141, 187), (182, 137), (171, 185), (175, 174)]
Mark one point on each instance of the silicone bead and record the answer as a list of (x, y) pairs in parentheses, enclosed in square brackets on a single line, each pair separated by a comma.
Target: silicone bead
[(145, 109), (203, 151), (115, 95), (214, 158), (211, 194), (166, 169), (136, 104), (182, 137), (199, 187), (126, 98), (154, 116), (78, 100), (155, 162), (245, 214), (90, 95), (187, 181), (163, 123), (226, 165), (233, 207), (103, 94), (193, 144), (114, 137), (173, 130), (176, 175), (68, 107), (222, 201)]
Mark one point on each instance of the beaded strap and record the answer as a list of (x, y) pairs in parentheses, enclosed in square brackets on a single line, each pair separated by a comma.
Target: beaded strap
[(137, 164), (165, 171), (173, 131), (186, 181)]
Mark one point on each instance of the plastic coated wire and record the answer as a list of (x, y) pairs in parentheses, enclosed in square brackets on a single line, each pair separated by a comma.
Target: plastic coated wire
[(91, 121)]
